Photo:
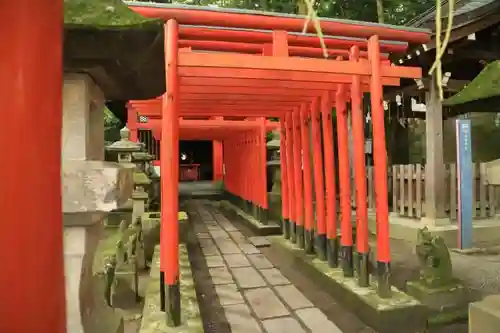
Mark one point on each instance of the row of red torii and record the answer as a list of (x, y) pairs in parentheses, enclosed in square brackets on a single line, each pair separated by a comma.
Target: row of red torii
[(258, 66), (275, 72)]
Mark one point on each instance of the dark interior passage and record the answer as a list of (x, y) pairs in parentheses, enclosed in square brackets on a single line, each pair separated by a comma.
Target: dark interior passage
[(198, 152)]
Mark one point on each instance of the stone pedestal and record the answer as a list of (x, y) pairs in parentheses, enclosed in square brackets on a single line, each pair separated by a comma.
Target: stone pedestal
[(444, 298), (91, 189), (484, 316)]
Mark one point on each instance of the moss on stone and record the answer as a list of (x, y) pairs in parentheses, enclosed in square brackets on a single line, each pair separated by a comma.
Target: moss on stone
[(485, 85), (140, 178), (102, 13), (154, 320)]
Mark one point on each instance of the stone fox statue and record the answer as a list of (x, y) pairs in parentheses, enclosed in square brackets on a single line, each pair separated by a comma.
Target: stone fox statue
[(434, 259)]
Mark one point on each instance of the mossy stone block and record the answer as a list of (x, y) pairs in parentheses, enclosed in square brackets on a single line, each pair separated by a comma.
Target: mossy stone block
[(399, 314)]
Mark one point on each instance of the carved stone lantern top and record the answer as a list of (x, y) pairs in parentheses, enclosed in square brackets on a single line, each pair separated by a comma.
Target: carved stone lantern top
[(124, 147), (142, 156), (274, 144)]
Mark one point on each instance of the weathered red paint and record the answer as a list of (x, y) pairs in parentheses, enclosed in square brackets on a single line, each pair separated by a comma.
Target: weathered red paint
[(359, 160), (290, 162), (284, 168), (297, 161), (379, 156), (169, 250), (330, 186), (32, 284), (306, 162), (344, 171), (319, 183), (132, 123)]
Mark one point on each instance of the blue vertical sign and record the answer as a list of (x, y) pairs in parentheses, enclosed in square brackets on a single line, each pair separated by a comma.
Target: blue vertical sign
[(465, 183)]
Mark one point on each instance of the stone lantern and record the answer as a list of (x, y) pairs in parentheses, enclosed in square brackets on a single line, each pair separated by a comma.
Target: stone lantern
[(274, 173), (142, 183), (124, 150)]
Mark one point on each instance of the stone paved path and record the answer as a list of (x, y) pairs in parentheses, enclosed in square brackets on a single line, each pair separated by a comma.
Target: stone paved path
[(254, 295)]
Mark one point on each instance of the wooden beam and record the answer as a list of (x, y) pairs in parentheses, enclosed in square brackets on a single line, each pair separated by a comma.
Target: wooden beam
[(282, 64)]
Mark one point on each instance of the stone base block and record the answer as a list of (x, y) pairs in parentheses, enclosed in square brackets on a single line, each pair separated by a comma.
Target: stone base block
[(257, 226), (484, 316), (274, 200), (447, 304), (399, 314), (153, 319), (439, 298)]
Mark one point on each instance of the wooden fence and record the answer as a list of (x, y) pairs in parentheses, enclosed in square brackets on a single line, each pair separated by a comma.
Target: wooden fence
[(407, 191)]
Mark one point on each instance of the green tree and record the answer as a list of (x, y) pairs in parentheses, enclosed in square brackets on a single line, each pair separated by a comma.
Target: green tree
[(112, 126)]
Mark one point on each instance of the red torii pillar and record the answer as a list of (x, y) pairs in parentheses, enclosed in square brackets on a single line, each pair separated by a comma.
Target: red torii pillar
[(217, 159), (169, 163), (132, 124), (31, 81)]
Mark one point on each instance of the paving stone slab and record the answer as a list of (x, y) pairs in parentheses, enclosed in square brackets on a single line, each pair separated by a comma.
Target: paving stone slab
[(228, 294), (213, 227), (316, 321), (248, 277), (214, 261), (228, 247), (248, 248), (240, 319), (236, 260), (219, 234), (274, 277), (283, 325), (210, 251), (206, 242), (265, 303), (220, 275), (259, 241), (199, 228), (293, 297), (260, 261), (238, 237), (203, 235)]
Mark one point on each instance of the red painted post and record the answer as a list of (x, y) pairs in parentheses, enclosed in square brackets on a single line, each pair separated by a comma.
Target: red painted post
[(285, 217), (359, 176), (217, 160), (169, 253), (263, 169), (344, 182), (308, 198), (380, 169), (332, 251), (297, 160), (132, 124), (252, 176), (31, 80), (291, 177), (319, 183)]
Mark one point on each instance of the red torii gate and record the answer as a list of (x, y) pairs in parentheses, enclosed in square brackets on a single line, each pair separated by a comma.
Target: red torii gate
[(219, 130), (276, 84), (41, 291)]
